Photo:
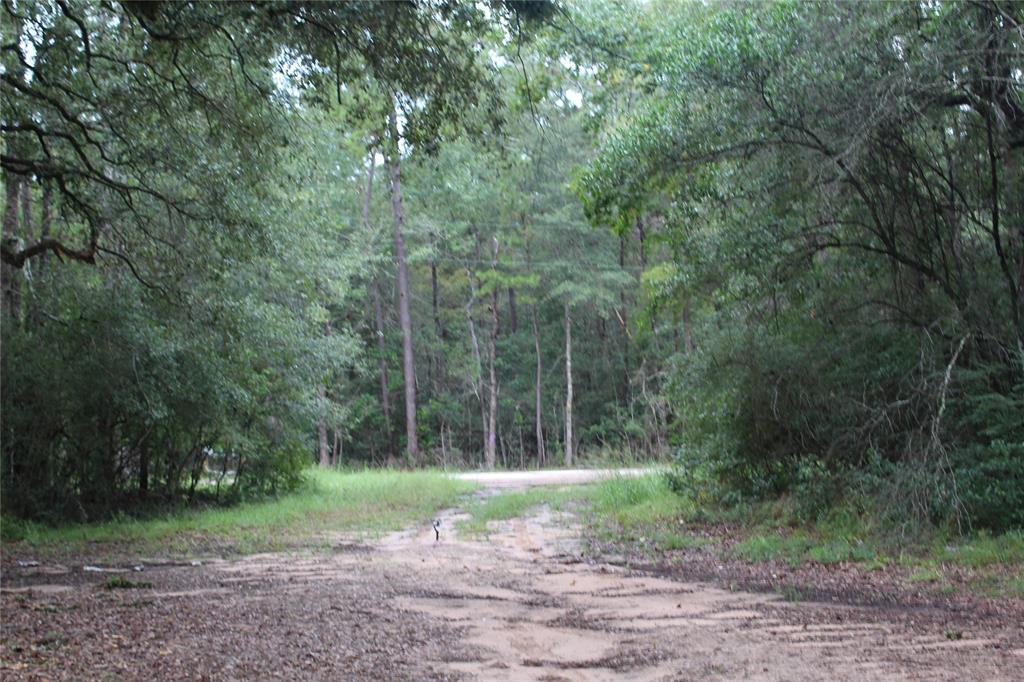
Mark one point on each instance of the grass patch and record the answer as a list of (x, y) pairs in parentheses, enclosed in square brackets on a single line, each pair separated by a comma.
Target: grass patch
[(118, 583), (675, 541), (510, 505), (632, 502), (366, 501), (644, 509), (772, 548), (985, 550), (927, 575)]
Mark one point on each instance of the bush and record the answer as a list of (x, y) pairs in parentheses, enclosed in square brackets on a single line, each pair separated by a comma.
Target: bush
[(126, 399), (842, 412)]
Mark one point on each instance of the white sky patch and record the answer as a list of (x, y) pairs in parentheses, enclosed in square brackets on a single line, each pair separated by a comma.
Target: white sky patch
[(288, 73), (575, 97)]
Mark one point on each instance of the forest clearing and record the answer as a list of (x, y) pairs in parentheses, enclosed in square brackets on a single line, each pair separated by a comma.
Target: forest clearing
[(325, 324), (521, 596)]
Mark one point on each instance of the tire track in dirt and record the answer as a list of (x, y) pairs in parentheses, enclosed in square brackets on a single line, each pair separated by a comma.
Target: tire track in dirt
[(528, 608), (520, 604)]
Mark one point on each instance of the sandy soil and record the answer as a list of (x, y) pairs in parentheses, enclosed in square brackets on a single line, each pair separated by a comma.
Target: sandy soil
[(520, 604)]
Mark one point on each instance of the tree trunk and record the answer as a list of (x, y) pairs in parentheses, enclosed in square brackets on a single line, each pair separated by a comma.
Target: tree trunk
[(475, 342), (442, 333), (513, 315), (436, 352), (626, 362), (378, 321), (492, 346), (405, 320), (568, 388), (323, 446), (687, 329), (323, 452), (11, 278), (382, 364), (538, 404), (144, 472)]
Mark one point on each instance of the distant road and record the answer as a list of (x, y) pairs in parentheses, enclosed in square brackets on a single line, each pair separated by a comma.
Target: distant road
[(526, 479)]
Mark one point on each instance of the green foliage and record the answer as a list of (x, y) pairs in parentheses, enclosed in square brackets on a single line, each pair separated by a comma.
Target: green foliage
[(842, 355), (634, 502)]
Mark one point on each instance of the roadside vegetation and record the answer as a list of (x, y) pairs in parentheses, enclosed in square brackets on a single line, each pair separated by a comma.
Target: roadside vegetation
[(653, 520), (357, 502)]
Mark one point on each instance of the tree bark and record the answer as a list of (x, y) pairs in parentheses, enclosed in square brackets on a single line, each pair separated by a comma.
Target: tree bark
[(45, 224), (323, 452), (26, 208), (405, 320), (378, 322), (490, 452), (513, 315), (568, 388), (434, 372), (538, 403), (622, 317), (475, 343), (11, 279), (687, 329), (382, 367), (442, 333)]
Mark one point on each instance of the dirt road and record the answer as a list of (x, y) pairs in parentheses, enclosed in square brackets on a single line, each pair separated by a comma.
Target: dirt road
[(525, 479), (517, 605)]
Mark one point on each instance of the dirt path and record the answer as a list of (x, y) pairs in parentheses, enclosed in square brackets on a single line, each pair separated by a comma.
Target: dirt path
[(518, 605)]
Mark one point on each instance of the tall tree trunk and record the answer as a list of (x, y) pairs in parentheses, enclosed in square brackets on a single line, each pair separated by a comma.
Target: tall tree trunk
[(322, 450), (26, 208), (475, 343), (538, 403), (492, 351), (323, 447), (382, 373), (45, 225), (568, 388), (378, 321), (442, 333), (144, 472), (405, 320), (626, 362), (11, 277), (642, 236), (513, 315), (434, 367)]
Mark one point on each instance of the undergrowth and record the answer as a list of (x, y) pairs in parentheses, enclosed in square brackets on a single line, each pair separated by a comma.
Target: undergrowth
[(358, 501)]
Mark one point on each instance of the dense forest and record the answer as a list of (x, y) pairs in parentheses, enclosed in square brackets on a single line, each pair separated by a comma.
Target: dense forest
[(780, 245)]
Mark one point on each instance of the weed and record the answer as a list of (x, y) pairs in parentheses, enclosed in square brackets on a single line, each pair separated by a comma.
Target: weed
[(928, 575), (116, 582)]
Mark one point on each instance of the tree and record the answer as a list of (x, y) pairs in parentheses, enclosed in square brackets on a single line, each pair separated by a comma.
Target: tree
[(408, 360)]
